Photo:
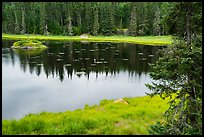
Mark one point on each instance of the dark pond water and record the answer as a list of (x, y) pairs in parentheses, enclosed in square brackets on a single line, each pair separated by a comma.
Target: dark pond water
[(69, 75)]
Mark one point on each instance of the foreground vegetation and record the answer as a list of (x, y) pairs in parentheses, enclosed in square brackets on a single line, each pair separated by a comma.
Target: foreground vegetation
[(146, 40), (106, 118), (180, 68)]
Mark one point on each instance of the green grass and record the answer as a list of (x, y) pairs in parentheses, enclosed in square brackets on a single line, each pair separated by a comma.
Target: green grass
[(108, 118), (34, 44), (146, 40)]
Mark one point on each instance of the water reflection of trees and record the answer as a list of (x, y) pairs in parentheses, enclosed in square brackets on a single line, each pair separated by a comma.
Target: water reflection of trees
[(79, 59)]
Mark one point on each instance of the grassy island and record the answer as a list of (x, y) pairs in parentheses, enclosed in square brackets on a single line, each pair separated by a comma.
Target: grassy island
[(28, 44)]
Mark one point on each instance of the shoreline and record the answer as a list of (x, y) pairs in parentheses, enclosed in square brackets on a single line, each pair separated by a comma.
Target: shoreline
[(107, 118), (144, 40)]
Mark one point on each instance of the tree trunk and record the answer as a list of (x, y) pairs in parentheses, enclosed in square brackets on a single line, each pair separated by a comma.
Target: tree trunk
[(17, 28), (188, 23), (133, 21), (95, 23), (79, 20), (46, 29), (121, 23), (23, 19), (70, 31)]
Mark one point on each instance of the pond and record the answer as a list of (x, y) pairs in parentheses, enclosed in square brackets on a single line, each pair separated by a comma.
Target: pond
[(69, 75)]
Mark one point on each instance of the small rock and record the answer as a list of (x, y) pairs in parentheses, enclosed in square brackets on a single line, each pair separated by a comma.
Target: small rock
[(85, 36), (120, 101)]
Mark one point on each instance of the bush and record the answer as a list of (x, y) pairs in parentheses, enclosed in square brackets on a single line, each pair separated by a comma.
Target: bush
[(77, 30)]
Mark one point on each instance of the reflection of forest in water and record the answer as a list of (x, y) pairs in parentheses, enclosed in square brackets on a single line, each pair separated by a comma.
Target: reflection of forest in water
[(71, 58)]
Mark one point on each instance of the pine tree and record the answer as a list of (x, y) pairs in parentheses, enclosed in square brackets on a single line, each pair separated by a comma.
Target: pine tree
[(70, 31), (107, 21), (14, 8), (23, 25), (178, 75), (43, 19), (88, 18), (96, 23), (121, 23), (112, 15), (68, 21), (78, 10), (156, 24), (133, 21), (185, 19)]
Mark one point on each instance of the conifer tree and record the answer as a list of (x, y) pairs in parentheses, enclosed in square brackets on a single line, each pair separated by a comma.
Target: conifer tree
[(156, 23), (70, 31), (133, 21), (23, 25), (96, 23), (14, 8)]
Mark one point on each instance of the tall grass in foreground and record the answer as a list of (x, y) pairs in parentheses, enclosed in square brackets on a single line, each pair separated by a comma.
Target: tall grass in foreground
[(108, 118)]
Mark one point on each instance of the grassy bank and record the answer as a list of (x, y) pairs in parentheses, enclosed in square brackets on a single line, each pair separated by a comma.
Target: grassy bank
[(146, 40), (106, 118)]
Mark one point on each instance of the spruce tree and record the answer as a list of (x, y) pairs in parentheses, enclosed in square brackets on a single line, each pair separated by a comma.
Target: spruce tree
[(107, 19), (23, 25), (69, 28), (14, 8), (156, 23), (95, 23), (178, 76), (88, 18), (43, 19), (133, 21)]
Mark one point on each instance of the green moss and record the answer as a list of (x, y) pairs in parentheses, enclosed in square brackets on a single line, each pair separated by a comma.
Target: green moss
[(30, 44), (108, 118)]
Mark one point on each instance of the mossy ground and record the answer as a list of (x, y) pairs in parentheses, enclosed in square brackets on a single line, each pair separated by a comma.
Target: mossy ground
[(146, 40), (107, 118)]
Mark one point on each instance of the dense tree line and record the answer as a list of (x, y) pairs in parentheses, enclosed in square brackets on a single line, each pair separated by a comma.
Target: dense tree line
[(75, 18)]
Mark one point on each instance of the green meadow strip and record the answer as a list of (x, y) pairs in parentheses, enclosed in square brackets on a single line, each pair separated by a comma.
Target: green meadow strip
[(146, 40)]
